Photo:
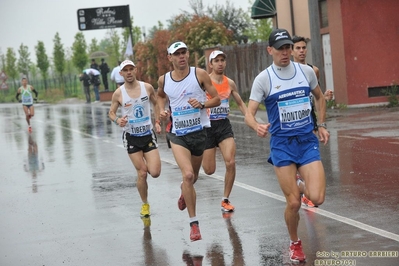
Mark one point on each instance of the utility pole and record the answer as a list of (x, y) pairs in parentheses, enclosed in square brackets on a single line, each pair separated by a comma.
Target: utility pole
[(315, 36)]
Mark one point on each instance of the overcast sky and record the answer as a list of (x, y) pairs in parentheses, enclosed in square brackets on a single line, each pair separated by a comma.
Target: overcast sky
[(30, 21)]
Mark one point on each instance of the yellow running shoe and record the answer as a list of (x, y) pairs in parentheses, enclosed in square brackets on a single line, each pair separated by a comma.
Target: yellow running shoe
[(146, 221), (145, 210)]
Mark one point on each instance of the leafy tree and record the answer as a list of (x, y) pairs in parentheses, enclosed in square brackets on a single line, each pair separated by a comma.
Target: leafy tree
[(104, 46), (113, 48), (198, 7), (235, 20), (151, 57), (94, 46), (69, 72), (154, 29), (260, 30), (33, 70), (42, 61), (79, 52), (58, 56), (24, 60), (145, 66), (202, 32), (2, 60), (136, 32), (11, 65), (159, 55), (178, 22)]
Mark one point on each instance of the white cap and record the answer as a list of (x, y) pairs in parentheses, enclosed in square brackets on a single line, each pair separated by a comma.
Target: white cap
[(126, 63), (215, 53), (176, 46)]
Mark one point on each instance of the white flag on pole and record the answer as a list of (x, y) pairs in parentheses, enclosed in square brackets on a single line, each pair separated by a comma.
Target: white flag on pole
[(129, 48)]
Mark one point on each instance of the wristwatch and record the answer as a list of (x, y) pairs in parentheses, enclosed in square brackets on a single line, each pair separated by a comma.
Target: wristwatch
[(202, 105), (322, 125)]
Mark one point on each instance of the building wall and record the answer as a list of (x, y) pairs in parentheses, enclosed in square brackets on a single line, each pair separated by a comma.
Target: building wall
[(300, 16), (283, 15), (301, 20), (370, 30), (364, 35), (337, 51)]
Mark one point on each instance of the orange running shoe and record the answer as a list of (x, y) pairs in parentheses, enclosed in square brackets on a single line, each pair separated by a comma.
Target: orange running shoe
[(226, 206), (307, 201)]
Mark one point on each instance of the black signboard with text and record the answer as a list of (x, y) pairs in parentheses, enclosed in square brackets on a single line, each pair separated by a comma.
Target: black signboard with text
[(103, 17)]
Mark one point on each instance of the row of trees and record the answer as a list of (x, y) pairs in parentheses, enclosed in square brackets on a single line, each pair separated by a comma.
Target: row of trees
[(204, 27)]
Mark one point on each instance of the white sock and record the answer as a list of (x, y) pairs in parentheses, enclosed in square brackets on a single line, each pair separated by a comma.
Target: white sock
[(193, 219), (224, 198), (292, 242)]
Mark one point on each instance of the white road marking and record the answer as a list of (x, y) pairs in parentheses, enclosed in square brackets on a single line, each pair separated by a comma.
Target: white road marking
[(339, 218)]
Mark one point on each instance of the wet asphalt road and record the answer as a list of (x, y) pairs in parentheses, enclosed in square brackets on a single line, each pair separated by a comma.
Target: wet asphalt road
[(74, 202)]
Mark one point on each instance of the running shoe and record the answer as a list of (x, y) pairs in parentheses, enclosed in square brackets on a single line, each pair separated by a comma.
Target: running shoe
[(226, 206), (195, 233), (146, 221), (181, 203), (145, 210), (296, 253), (307, 202)]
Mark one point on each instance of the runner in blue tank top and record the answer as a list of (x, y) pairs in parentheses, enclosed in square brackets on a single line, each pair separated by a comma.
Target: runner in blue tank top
[(285, 88)]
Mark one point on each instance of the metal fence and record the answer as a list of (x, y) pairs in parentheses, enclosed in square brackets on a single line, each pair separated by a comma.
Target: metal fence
[(70, 84)]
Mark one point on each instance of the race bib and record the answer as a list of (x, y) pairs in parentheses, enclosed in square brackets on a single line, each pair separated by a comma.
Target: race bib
[(186, 121), (295, 113)]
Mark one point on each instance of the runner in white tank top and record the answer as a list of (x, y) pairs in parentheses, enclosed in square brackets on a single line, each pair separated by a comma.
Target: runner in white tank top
[(27, 99), (139, 139), (185, 88)]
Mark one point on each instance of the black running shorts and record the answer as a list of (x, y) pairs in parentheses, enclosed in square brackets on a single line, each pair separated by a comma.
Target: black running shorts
[(219, 131), (194, 142), (134, 144)]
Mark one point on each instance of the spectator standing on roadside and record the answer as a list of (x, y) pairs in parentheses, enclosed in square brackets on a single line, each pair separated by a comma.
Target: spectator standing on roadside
[(104, 73), (116, 77)]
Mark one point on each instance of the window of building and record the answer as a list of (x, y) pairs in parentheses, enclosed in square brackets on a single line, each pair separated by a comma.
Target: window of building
[(323, 13)]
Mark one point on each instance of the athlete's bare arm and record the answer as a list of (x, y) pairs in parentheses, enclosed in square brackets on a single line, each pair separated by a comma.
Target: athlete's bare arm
[(153, 99), (236, 96), (115, 103), (205, 80), (320, 104), (250, 120)]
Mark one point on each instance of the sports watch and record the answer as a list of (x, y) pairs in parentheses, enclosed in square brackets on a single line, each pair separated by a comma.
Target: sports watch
[(322, 125)]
